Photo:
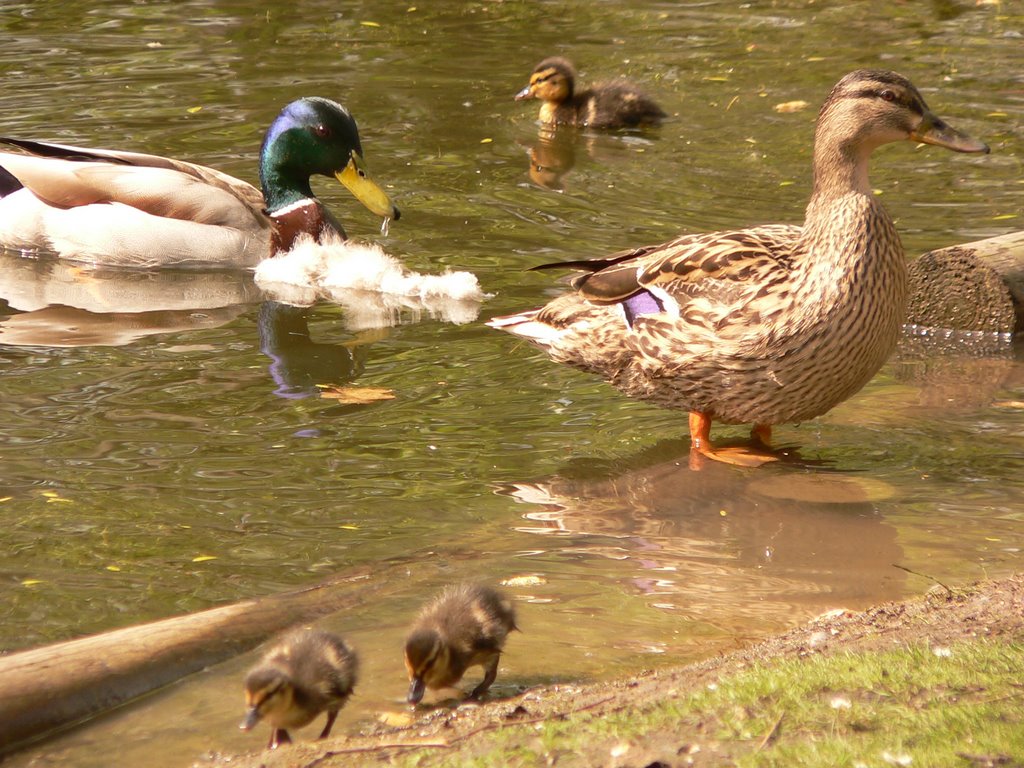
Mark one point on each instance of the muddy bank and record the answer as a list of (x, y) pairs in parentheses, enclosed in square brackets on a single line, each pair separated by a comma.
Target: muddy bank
[(991, 610)]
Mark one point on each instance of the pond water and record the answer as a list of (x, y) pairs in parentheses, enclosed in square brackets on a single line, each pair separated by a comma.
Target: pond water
[(170, 444)]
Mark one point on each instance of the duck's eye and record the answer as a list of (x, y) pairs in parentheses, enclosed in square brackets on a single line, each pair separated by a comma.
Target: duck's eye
[(888, 95), (322, 131)]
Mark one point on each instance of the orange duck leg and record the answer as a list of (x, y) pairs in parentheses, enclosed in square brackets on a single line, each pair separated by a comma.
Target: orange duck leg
[(700, 444)]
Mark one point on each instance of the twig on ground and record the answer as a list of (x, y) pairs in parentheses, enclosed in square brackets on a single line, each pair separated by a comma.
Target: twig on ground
[(923, 576), (771, 733)]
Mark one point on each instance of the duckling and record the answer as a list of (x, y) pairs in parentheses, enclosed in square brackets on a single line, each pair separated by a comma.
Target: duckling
[(615, 104), (465, 626), (307, 672), (770, 324)]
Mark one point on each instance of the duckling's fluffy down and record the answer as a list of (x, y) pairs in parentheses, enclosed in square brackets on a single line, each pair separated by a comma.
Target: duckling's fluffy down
[(336, 268)]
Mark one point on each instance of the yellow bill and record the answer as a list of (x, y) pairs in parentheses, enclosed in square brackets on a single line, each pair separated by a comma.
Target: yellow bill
[(365, 189)]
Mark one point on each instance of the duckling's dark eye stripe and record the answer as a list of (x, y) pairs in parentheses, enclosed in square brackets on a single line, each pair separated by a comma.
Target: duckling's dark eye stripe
[(263, 697), (428, 662), (543, 77)]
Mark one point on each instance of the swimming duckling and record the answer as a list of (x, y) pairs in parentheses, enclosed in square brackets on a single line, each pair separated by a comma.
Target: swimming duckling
[(465, 626), (307, 672), (616, 104)]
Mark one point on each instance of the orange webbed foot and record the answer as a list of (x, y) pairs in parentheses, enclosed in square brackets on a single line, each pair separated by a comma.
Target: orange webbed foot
[(739, 456)]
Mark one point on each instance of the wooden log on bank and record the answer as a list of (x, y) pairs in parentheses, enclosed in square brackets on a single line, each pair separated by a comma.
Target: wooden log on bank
[(976, 286), (47, 688)]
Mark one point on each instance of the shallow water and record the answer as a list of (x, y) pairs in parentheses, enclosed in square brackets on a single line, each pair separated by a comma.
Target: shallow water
[(167, 446)]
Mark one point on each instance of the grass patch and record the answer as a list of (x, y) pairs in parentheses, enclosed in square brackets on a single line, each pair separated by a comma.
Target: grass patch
[(853, 709)]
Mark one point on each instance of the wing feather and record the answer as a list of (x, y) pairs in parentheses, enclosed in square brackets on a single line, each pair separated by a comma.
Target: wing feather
[(689, 266), (67, 177)]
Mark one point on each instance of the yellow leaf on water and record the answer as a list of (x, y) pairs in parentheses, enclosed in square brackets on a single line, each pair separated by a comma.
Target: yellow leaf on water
[(58, 500), (996, 114), (349, 527), (369, 23), (790, 106), (193, 110), (486, 141), (6, 498), (815, 58), (30, 582), (1004, 216), (356, 395), (50, 494), (203, 558), (524, 581), (114, 568)]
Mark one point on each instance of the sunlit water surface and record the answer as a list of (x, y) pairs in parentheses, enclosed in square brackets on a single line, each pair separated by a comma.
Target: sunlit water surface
[(170, 443)]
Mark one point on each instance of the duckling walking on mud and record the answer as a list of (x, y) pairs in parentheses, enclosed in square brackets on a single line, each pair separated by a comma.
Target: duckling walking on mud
[(616, 104), (307, 672), (465, 626)]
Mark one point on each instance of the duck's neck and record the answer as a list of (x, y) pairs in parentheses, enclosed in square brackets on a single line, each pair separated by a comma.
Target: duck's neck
[(840, 170), (842, 210), (849, 243), (282, 186)]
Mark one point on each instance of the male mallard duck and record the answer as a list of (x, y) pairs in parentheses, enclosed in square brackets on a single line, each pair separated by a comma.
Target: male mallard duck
[(616, 104), (769, 325), (126, 209), (307, 672), (465, 626)]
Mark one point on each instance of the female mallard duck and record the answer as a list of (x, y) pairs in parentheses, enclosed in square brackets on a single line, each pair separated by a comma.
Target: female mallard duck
[(465, 626), (767, 325), (307, 672), (117, 208), (617, 104)]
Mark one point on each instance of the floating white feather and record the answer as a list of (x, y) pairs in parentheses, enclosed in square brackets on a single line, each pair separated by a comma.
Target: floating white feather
[(373, 285)]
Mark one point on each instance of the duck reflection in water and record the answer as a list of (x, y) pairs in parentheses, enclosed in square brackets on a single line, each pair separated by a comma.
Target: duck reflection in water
[(300, 366), (552, 156), (721, 543), (50, 303), (553, 153)]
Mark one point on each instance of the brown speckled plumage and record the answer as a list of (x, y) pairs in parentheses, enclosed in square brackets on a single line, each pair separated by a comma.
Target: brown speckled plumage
[(768, 325), (615, 104)]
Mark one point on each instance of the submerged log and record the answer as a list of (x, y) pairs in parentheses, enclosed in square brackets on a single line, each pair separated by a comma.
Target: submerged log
[(47, 688), (976, 286)]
